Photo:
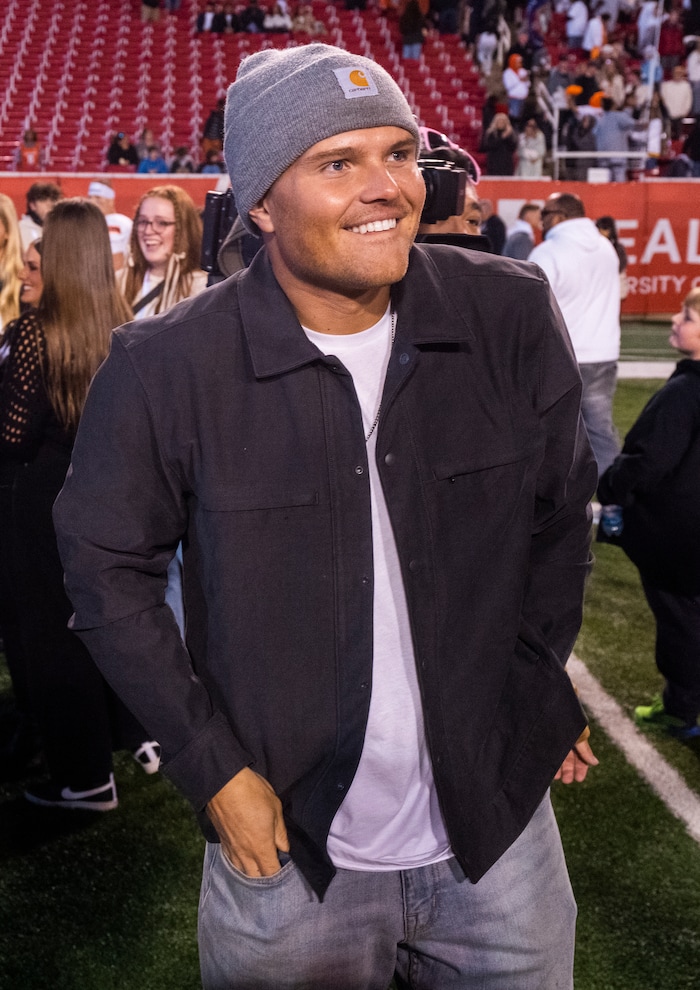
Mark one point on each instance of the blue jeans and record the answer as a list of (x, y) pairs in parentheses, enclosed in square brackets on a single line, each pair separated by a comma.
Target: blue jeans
[(599, 381), (515, 108), (617, 166), (428, 927)]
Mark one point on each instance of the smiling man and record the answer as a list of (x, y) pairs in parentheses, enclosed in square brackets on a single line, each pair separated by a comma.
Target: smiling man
[(372, 455)]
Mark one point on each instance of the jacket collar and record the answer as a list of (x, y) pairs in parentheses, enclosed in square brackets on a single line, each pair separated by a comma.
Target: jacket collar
[(426, 298), (275, 339), (426, 313)]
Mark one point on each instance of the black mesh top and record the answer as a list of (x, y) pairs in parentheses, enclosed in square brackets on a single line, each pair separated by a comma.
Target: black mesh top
[(27, 418)]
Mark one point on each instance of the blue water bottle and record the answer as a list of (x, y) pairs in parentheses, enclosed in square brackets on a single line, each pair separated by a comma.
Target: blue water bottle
[(611, 520)]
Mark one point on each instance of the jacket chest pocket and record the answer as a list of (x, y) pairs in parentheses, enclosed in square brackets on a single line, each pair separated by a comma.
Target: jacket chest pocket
[(491, 469), (255, 538), (485, 489)]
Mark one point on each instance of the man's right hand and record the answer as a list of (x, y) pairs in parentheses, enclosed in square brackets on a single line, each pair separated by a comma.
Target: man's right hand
[(247, 814)]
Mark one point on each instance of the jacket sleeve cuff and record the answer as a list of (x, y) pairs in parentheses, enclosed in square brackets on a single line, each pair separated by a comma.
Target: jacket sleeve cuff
[(207, 762)]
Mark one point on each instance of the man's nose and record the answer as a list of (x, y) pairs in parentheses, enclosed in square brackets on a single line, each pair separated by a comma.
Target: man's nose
[(379, 182)]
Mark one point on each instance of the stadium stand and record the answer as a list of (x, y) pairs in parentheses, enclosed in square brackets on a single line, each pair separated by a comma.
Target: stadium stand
[(77, 71)]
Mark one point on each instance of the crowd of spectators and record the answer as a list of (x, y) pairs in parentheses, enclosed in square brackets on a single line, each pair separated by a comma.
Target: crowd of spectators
[(624, 76), (225, 18), (619, 76), (145, 157)]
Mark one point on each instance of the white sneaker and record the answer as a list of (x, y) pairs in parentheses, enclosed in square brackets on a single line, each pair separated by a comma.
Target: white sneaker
[(147, 756)]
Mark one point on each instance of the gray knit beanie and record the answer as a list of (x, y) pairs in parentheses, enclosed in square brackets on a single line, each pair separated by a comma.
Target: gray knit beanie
[(285, 100)]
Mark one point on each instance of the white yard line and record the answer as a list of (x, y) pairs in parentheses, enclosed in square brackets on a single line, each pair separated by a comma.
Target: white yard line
[(660, 775), (645, 369)]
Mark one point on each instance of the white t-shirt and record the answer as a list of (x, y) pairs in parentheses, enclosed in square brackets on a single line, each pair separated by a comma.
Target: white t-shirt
[(29, 231), (149, 283), (577, 19), (199, 284), (390, 818)]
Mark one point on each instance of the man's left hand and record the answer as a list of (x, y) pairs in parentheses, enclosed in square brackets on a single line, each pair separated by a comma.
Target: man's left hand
[(575, 766)]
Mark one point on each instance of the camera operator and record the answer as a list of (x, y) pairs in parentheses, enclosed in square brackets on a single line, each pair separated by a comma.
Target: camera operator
[(462, 228)]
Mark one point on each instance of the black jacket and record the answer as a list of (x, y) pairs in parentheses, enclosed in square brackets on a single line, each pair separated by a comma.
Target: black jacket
[(219, 423), (656, 479)]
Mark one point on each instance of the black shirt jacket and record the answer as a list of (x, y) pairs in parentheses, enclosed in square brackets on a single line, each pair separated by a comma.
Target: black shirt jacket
[(220, 424)]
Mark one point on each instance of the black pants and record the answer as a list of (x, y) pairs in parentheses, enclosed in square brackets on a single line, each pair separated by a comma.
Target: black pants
[(677, 649), (79, 718)]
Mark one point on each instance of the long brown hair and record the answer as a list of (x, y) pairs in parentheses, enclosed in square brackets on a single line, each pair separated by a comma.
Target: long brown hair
[(80, 304), (185, 259), (11, 264)]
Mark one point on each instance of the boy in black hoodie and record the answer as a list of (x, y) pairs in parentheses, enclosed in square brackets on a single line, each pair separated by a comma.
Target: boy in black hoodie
[(656, 479)]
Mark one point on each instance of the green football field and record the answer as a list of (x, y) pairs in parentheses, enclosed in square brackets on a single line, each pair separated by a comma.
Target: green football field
[(108, 902)]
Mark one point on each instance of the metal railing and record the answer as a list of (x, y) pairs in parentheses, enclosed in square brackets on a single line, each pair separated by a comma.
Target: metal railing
[(551, 111)]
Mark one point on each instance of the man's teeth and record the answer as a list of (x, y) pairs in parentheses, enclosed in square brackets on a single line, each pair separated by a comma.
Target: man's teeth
[(370, 228)]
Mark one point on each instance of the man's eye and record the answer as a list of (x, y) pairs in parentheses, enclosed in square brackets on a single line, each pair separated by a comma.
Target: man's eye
[(399, 156), (337, 166)]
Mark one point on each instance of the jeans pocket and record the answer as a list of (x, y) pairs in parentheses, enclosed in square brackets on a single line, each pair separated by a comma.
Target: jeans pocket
[(286, 869)]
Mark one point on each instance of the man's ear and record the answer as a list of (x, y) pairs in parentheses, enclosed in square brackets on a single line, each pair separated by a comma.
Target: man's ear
[(260, 215)]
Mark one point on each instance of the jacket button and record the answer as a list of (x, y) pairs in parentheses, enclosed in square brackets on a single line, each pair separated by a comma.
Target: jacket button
[(340, 786), (413, 565), (389, 458), (404, 359), (359, 469)]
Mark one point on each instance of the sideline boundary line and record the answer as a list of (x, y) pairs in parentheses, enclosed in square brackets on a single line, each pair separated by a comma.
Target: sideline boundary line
[(663, 779), (645, 369)]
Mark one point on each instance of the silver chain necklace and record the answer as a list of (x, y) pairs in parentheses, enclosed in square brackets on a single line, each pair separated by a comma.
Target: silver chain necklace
[(373, 427)]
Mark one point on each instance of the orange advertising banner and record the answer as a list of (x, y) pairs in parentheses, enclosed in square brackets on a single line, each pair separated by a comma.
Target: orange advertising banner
[(658, 221), (658, 224)]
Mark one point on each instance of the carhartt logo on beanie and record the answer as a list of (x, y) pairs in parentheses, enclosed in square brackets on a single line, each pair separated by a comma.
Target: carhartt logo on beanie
[(286, 100), (355, 82)]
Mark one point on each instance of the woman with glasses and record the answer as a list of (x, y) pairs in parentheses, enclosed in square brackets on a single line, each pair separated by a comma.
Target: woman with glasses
[(166, 242)]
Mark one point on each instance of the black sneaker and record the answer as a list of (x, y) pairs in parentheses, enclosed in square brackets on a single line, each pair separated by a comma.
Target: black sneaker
[(51, 795)]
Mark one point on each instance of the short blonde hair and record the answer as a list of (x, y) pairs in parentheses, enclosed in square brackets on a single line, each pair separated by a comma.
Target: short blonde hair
[(692, 300)]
